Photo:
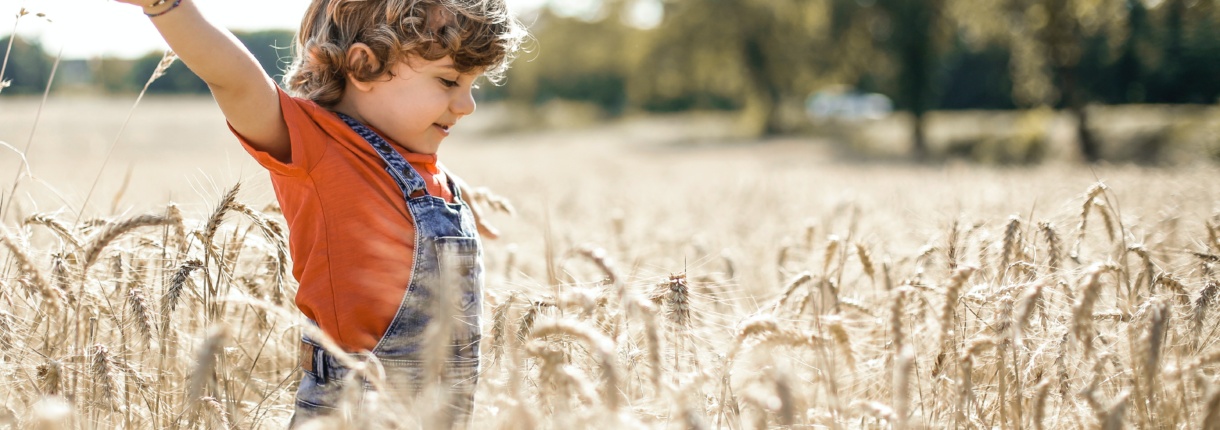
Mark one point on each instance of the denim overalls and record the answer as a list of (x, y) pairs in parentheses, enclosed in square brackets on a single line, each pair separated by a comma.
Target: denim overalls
[(447, 256)]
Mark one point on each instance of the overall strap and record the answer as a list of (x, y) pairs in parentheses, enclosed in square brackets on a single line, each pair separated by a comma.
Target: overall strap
[(408, 180)]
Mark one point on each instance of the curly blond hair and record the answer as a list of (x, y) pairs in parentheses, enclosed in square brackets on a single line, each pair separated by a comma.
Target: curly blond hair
[(478, 34)]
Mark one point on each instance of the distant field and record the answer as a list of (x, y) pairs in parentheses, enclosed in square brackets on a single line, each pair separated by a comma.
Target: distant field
[(822, 291)]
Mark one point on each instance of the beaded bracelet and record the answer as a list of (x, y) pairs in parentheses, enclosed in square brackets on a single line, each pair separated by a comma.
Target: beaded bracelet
[(171, 7)]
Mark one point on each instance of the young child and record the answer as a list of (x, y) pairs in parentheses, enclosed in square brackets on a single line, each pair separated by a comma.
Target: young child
[(377, 228)]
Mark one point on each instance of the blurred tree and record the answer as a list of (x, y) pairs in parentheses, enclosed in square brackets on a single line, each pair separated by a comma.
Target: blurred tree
[(910, 37), (28, 67), (114, 76), (1046, 39), (578, 58), (758, 54), (1188, 63), (973, 78), (1132, 65)]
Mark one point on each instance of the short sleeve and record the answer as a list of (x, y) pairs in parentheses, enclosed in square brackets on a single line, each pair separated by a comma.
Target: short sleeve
[(306, 138)]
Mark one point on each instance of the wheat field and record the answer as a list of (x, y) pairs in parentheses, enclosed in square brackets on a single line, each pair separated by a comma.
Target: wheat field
[(656, 273)]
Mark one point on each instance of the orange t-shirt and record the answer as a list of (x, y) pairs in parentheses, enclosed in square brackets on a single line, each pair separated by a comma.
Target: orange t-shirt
[(350, 234)]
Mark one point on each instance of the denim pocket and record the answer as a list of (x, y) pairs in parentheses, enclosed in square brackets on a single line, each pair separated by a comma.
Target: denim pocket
[(461, 267), (461, 270), (316, 399)]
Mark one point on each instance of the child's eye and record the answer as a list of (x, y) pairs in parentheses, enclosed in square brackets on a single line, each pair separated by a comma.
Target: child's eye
[(448, 83)]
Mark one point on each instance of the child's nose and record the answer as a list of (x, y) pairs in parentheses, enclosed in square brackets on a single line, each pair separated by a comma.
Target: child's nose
[(463, 103)]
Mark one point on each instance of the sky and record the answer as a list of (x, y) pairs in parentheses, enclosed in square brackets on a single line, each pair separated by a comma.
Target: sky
[(91, 28)]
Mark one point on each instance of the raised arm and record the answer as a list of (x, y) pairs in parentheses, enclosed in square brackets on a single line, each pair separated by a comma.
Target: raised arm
[(245, 93)]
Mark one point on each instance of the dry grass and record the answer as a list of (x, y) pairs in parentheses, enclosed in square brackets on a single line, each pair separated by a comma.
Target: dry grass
[(1016, 337)]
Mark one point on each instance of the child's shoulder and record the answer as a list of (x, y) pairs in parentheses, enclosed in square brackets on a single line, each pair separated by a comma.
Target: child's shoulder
[(309, 119)]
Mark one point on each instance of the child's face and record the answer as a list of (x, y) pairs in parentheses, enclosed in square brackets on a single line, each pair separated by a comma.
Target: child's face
[(419, 104)]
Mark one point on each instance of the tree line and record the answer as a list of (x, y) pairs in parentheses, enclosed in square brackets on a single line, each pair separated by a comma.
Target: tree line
[(764, 57)]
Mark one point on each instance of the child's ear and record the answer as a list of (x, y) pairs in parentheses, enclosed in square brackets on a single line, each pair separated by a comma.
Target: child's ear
[(362, 64)]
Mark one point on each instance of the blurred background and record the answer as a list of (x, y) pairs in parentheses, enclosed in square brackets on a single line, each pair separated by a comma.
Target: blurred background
[(998, 81)]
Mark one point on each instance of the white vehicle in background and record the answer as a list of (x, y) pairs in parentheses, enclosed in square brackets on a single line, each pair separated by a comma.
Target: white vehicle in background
[(846, 104)]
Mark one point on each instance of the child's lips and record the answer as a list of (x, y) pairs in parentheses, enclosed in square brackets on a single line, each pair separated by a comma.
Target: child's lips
[(444, 129)]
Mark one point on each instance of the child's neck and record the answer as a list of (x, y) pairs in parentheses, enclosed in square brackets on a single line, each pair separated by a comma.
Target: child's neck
[(346, 107)]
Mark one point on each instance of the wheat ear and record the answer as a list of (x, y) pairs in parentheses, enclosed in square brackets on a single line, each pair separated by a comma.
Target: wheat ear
[(1157, 329), (1089, 199), (791, 287), (218, 214), (834, 324), (948, 314), (141, 314), (26, 266), (601, 346), (55, 226), (103, 376), (1082, 314), (1054, 259), (218, 412), (169, 302), (113, 231), (50, 376)]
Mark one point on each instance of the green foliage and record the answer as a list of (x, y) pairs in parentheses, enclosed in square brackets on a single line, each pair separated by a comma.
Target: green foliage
[(581, 60), (29, 67), (757, 54)]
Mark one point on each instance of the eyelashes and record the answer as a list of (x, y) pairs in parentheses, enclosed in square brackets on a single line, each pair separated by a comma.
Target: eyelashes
[(448, 83)]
